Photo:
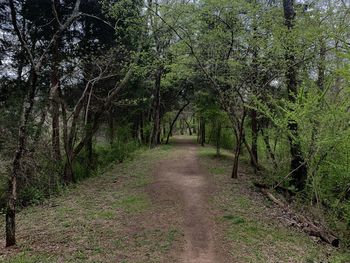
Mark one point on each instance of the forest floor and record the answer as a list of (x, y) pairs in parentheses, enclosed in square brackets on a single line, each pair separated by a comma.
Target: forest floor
[(171, 204)]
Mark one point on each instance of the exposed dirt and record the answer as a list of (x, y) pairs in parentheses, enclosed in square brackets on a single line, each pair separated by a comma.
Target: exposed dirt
[(183, 180)]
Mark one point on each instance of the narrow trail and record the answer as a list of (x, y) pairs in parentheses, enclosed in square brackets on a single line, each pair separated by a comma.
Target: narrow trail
[(184, 179), (173, 204)]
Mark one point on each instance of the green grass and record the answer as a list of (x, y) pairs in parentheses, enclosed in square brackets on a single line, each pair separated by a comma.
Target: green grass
[(253, 232), (234, 219), (340, 257), (217, 170), (133, 203), (26, 257), (95, 220)]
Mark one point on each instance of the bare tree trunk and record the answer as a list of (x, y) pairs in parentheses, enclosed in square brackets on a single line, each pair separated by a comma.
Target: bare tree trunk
[(238, 129), (189, 128), (55, 113), (174, 121), (236, 158), (142, 136), (255, 129), (88, 142), (54, 93), (268, 147), (199, 131), (239, 140), (218, 139), (156, 110), (254, 162), (202, 125), (164, 131), (16, 165)]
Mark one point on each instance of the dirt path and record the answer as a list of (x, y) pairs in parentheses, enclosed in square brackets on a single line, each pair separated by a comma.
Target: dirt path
[(183, 178), (173, 204)]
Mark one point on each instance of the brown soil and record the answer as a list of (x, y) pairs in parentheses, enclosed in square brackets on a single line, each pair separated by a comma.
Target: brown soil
[(183, 180)]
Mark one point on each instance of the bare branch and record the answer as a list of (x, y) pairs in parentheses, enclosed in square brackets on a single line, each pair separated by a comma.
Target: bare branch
[(19, 34)]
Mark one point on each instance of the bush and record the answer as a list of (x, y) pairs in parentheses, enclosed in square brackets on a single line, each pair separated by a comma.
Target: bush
[(117, 151)]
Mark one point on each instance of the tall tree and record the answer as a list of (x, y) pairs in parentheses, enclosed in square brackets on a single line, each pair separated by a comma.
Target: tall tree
[(298, 164)]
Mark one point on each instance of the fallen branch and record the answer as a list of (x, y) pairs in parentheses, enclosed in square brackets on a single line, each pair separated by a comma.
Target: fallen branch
[(301, 221)]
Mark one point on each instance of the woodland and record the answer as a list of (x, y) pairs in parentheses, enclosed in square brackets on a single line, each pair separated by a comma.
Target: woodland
[(87, 83)]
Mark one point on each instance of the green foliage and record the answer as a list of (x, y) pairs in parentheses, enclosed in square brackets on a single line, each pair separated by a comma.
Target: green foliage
[(40, 183), (119, 150), (105, 154), (44, 179), (322, 118)]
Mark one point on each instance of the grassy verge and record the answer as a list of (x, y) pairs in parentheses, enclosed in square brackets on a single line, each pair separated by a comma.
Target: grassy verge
[(253, 228), (102, 219)]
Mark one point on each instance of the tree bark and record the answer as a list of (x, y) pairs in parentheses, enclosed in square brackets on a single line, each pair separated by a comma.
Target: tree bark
[(236, 158), (238, 129), (269, 149), (88, 142), (254, 148), (182, 126), (142, 136), (16, 165), (254, 162), (298, 165), (156, 110), (55, 109), (202, 125), (174, 121), (54, 92), (218, 139)]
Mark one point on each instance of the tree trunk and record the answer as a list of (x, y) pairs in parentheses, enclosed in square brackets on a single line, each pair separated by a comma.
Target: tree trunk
[(55, 114), (199, 131), (218, 139), (156, 110), (16, 165), (68, 176), (236, 157), (254, 162), (135, 128), (298, 165), (174, 121), (142, 135), (202, 124), (194, 125), (88, 142), (255, 129), (238, 129), (269, 149), (55, 94)]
